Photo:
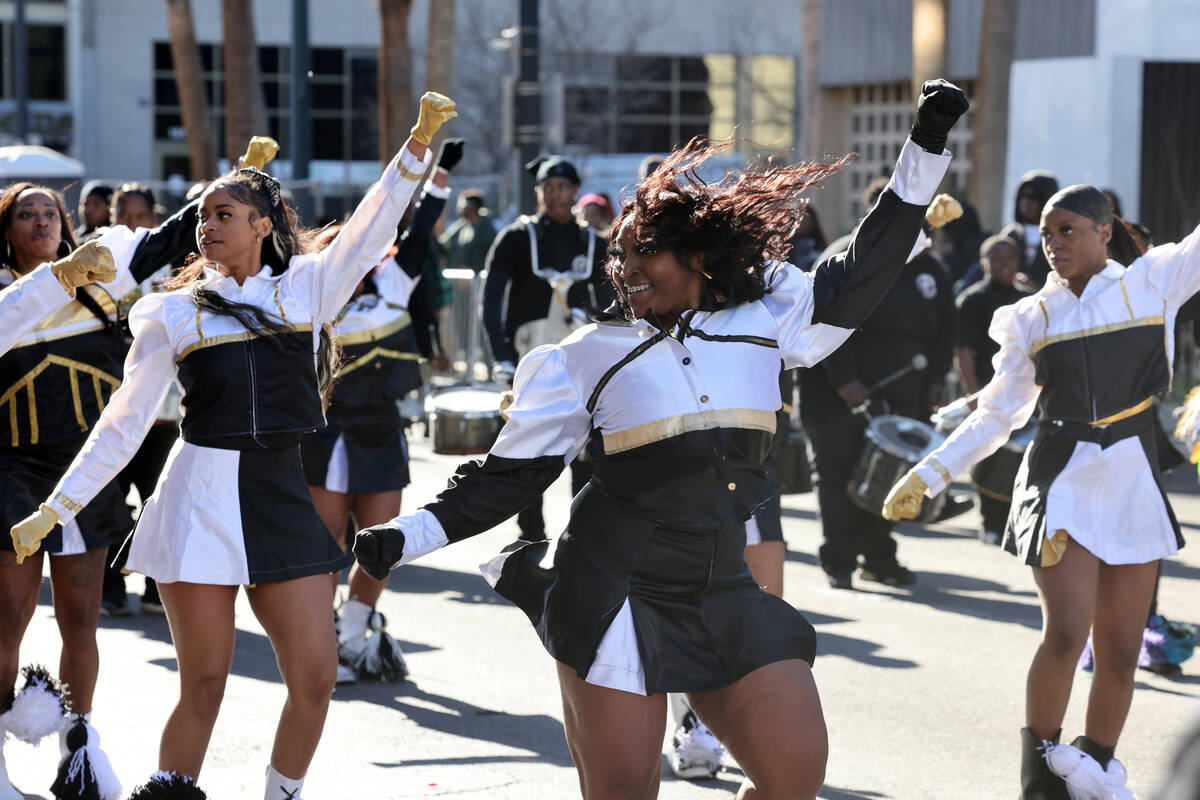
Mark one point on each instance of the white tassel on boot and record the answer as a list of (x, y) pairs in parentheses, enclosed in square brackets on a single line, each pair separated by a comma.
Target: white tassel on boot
[(39, 709), (280, 787), (85, 772)]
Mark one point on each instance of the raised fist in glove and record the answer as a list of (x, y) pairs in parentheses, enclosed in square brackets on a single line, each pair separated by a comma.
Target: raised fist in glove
[(904, 500), (259, 152), (939, 107), (943, 210), (27, 534), (378, 549), (450, 153), (88, 263), (436, 109)]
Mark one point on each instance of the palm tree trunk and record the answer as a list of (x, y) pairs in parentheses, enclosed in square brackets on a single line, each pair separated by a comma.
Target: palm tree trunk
[(193, 104), (244, 115), (990, 104), (439, 47), (395, 77), (810, 80)]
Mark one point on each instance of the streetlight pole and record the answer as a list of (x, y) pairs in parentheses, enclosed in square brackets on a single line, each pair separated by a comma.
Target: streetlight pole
[(21, 71), (528, 128)]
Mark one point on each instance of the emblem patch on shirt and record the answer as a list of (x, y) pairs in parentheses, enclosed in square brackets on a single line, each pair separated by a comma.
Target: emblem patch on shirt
[(579, 264), (927, 286)]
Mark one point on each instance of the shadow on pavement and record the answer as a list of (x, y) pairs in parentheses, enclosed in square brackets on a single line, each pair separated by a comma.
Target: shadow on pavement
[(537, 733), (465, 587), (833, 793), (860, 650)]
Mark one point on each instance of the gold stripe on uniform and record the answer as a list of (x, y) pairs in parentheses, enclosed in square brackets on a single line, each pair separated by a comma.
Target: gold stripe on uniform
[(67, 502), (78, 402), (375, 334), (377, 352), (26, 382), (659, 430), (1045, 341), (225, 338), (279, 305), (1125, 294), (1125, 414)]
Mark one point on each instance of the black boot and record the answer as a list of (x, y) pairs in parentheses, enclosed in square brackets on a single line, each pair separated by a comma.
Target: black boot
[(1037, 781), (1102, 754)]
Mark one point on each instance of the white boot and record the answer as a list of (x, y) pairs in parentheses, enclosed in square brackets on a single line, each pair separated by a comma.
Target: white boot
[(281, 788), (7, 792), (695, 752)]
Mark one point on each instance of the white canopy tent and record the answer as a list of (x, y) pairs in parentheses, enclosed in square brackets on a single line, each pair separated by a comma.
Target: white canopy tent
[(37, 163)]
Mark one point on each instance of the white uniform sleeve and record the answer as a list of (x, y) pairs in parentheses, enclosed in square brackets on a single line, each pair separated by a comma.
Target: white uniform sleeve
[(149, 369), (548, 415), (1173, 269), (790, 303), (28, 301), (1004, 405), (328, 278), (123, 243)]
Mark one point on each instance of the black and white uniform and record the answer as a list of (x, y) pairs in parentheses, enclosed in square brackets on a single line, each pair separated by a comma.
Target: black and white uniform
[(232, 506), (362, 449), (647, 590), (1091, 366), (57, 377)]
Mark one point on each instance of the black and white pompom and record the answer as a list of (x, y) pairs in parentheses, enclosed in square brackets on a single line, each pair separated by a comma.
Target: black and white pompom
[(380, 658), (85, 772), (39, 709), (165, 785)]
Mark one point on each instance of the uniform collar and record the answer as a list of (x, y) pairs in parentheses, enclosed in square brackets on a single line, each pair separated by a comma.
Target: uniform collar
[(215, 278), (1112, 272)]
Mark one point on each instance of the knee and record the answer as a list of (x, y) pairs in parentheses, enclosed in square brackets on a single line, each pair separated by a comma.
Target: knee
[(204, 693), (1064, 641), (1120, 657), (77, 626), (799, 771), (631, 779), (313, 685)]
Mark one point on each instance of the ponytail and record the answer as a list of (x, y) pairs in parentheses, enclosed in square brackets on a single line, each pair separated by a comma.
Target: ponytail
[(1123, 247)]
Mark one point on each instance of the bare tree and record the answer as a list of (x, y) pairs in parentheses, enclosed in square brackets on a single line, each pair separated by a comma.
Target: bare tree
[(395, 76), (244, 114), (189, 83), (990, 105)]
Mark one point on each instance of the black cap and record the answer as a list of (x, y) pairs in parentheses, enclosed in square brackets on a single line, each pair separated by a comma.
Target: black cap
[(98, 188), (545, 167)]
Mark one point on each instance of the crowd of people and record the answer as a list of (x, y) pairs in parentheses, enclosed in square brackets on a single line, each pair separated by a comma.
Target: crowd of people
[(243, 374)]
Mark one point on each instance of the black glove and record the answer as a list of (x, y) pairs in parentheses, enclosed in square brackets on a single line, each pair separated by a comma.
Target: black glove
[(939, 107), (378, 549), (451, 153)]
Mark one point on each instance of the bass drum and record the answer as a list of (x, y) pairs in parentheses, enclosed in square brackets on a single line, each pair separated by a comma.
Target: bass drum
[(995, 475), (465, 420), (893, 445)]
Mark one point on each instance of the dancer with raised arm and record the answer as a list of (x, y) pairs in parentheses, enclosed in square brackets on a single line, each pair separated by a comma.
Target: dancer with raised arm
[(675, 394), (244, 334)]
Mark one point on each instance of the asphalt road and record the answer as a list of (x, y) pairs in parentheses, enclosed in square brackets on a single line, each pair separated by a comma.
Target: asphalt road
[(922, 690)]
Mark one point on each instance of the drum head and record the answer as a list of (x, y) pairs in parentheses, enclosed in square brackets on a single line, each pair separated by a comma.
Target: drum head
[(466, 401), (905, 438)]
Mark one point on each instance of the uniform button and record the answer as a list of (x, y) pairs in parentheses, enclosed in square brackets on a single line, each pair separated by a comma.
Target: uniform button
[(687, 361), (732, 486), (378, 365), (703, 398)]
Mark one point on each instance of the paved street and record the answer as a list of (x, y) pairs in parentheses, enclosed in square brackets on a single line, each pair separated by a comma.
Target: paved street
[(923, 689)]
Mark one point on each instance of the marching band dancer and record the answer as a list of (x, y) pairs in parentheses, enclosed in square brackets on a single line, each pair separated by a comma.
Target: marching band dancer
[(358, 463), (61, 364), (244, 333), (648, 591), (1089, 512), (545, 276)]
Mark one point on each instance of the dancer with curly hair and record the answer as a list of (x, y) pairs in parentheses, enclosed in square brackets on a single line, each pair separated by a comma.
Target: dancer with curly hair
[(674, 393)]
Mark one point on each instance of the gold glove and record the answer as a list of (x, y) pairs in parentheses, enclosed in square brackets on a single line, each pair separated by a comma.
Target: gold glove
[(436, 109), (942, 210), (259, 152), (27, 534), (506, 401), (904, 500), (89, 262)]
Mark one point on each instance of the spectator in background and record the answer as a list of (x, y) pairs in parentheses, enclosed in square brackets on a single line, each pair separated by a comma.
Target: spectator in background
[(1000, 260), (595, 209), (1033, 191), (648, 165), (469, 237), (808, 241), (93, 208), (133, 206)]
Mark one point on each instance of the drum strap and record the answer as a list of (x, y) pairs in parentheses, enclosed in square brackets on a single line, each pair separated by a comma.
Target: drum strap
[(535, 262)]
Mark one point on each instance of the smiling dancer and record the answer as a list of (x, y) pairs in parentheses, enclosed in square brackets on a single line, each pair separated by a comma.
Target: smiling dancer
[(1089, 512), (648, 591), (244, 333)]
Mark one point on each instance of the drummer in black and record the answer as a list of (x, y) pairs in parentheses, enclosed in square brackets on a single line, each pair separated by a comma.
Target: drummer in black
[(916, 317), (1001, 261), (520, 304)]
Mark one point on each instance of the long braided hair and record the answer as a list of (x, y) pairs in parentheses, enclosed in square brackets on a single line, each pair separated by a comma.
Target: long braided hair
[(258, 190)]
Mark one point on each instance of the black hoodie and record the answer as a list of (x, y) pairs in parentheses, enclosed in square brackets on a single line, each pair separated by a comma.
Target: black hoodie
[(1045, 185)]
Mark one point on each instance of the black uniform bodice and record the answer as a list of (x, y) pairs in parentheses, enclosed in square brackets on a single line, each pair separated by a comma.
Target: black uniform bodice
[(374, 375), (251, 393), (1086, 378)]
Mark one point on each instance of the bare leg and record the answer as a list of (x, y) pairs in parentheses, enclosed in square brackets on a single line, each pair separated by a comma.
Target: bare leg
[(765, 560), (1123, 599), (615, 738), (1068, 593), (19, 585), (371, 509), (77, 581), (772, 723), (334, 510), (201, 619), (295, 615)]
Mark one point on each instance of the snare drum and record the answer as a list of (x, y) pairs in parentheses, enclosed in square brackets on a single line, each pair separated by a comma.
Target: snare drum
[(464, 420), (893, 445), (995, 475)]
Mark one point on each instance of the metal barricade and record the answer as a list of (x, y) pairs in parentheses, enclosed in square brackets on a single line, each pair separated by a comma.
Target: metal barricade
[(472, 354)]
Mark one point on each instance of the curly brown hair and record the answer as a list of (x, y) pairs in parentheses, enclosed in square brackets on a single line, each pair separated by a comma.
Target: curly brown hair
[(736, 224)]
